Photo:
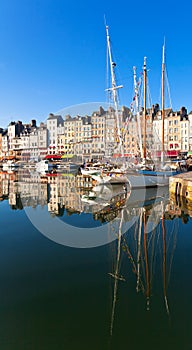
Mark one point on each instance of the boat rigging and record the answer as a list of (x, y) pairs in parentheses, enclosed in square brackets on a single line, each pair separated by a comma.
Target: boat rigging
[(114, 90)]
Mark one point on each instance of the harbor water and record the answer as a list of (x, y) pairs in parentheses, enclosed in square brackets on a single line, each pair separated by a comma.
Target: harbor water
[(85, 271)]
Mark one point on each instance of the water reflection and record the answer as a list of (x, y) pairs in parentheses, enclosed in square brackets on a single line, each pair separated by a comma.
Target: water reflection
[(65, 192), (148, 252), (142, 257)]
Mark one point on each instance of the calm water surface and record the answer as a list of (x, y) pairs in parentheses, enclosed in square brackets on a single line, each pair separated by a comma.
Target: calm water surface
[(127, 291)]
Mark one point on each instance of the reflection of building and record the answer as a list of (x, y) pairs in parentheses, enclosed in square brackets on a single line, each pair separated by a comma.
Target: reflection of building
[(31, 188), (84, 181), (172, 210), (179, 207), (62, 194), (53, 204), (68, 195)]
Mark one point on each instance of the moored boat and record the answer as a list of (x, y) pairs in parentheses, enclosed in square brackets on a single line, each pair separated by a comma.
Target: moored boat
[(43, 166), (9, 165)]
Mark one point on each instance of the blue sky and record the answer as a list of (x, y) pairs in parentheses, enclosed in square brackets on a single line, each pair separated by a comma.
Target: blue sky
[(53, 52)]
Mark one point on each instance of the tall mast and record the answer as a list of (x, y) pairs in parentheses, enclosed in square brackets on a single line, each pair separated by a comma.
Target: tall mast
[(163, 102), (145, 106), (114, 88), (137, 109)]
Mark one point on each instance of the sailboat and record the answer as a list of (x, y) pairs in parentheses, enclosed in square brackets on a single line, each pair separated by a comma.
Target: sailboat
[(143, 175), (117, 174), (159, 176), (123, 174)]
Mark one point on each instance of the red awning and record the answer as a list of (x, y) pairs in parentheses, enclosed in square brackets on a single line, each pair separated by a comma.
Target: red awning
[(129, 155), (117, 155), (172, 153), (53, 156), (9, 157)]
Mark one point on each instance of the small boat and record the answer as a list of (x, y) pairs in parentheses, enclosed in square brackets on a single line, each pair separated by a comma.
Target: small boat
[(90, 170), (9, 165), (43, 166), (110, 178), (68, 166), (73, 166)]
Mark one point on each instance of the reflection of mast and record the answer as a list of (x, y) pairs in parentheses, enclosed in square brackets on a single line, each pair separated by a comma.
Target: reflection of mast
[(164, 261), (114, 89), (116, 275), (146, 259), (139, 252)]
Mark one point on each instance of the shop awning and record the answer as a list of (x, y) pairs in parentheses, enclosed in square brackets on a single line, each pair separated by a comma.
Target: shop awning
[(53, 156), (117, 155), (66, 156), (172, 153), (9, 157)]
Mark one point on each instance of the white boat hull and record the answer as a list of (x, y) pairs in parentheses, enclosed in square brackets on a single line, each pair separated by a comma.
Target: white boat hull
[(9, 166), (147, 181), (43, 166), (108, 179)]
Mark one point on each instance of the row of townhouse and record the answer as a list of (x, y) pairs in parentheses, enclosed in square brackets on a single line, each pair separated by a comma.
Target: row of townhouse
[(96, 136), (177, 131), (24, 141)]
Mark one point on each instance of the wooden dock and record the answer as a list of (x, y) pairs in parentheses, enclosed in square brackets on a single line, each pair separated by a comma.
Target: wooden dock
[(181, 185)]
